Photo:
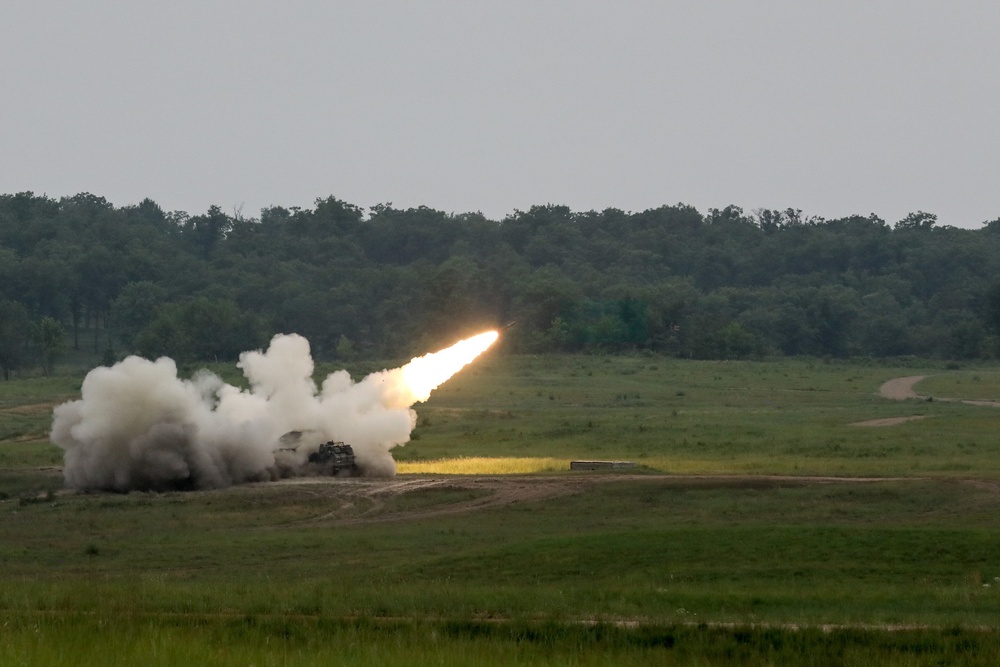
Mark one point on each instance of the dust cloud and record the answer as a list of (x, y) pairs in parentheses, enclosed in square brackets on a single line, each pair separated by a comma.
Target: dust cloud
[(138, 426)]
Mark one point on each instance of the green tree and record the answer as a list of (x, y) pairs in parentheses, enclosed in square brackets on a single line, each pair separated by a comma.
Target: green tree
[(207, 231), (991, 303), (991, 311), (200, 329), (15, 337), (967, 340), (135, 308), (882, 325), (539, 299), (345, 349), (917, 220), (50, 337)]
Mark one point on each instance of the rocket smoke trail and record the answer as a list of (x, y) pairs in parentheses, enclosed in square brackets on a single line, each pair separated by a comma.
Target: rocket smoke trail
[(139, 426)]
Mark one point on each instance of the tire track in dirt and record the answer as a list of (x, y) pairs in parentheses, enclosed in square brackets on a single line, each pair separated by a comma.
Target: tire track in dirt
[(904, 388), (491, 492), (487, 492)]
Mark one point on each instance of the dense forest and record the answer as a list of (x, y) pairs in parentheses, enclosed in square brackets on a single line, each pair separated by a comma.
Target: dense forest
[(79, 273)]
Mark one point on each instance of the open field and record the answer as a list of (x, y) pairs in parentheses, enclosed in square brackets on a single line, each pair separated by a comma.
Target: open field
[(767, 525), (792, 417)]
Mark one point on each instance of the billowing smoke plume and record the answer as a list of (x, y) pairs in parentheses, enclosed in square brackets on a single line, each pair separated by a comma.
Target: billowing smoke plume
[(139, 426)]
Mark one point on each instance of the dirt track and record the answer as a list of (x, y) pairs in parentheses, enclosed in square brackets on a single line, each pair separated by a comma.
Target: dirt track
[(362, 501), (901, 389)]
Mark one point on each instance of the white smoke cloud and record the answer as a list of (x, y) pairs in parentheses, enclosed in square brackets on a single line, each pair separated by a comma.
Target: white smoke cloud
[(139, 426)]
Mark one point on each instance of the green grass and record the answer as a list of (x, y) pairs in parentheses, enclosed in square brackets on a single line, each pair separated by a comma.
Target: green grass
[(302, 641), (638, 569), (233, 571), (483, 465), (741, 550), (980, 385), (789, 417)]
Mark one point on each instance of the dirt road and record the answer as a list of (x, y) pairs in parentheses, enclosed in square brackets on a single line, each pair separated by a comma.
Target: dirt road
[(901, 389), (364, 501)]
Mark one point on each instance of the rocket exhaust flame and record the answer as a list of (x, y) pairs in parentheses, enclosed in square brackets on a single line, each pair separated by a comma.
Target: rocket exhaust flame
[(425, 374), (139, 426)]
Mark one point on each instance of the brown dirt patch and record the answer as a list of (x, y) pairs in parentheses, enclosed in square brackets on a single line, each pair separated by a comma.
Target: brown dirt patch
[(989, 404), (900, 389), (29, 409)]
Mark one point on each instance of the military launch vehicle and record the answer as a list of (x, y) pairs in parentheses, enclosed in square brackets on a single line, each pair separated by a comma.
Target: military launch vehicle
[(335, 458)]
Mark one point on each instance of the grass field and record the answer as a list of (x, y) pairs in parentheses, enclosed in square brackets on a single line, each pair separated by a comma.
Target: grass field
[(794, 417), (764, 526)]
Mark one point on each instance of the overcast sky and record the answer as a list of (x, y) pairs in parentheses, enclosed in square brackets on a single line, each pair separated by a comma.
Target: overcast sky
[(836, 108)]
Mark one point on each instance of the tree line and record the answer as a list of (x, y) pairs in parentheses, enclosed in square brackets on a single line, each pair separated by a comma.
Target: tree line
[(78, 272)]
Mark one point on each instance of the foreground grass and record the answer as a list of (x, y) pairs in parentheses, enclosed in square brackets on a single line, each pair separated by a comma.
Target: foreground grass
[(278, 574), (654, 549), (314, 641), (644, 569)]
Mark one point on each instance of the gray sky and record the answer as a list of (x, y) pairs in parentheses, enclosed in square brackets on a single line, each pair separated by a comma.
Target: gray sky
[(836, 107)]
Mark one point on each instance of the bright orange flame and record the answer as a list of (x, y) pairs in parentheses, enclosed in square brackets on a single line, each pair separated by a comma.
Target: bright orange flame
[(425, 374)]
